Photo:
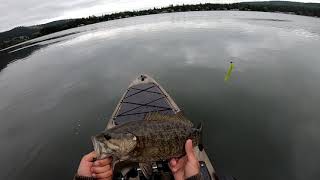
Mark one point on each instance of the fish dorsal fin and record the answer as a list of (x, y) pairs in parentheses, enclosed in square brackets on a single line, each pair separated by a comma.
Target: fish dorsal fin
[(155, 116), (180, 116)]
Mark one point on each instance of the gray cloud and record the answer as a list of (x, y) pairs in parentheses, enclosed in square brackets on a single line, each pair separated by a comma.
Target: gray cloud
[(29, 12), (20, 12)]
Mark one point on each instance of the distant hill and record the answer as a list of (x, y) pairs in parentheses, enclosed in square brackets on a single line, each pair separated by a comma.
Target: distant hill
[(16, 32), (21, 34), (285, 3), (55, 23), (306, 9)]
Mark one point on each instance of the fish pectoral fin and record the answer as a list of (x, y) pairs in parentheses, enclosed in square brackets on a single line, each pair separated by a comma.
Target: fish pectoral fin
[(146, 169)]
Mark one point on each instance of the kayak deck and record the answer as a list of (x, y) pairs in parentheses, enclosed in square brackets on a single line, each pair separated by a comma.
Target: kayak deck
[(145, 95)]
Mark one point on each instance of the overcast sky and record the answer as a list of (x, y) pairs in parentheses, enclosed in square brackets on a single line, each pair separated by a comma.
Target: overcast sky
[(29, 12)]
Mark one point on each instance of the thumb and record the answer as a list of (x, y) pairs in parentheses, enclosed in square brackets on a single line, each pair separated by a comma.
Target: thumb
[(90, 157), (189, 150)]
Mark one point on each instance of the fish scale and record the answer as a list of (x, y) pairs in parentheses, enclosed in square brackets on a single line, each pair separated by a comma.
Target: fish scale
[(155, 137)]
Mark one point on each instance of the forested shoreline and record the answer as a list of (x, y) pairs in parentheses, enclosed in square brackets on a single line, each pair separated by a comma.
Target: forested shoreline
[(21, 34)]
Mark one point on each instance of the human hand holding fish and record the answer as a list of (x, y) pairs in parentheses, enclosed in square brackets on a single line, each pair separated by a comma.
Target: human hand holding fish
[(102, 169), (186, 166), (99, 169)]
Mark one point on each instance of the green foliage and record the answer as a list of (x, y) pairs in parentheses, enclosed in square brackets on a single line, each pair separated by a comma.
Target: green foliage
[(21, 34)]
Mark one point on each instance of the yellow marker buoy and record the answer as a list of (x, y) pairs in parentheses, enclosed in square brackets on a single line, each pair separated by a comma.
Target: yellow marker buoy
[(228, 74)]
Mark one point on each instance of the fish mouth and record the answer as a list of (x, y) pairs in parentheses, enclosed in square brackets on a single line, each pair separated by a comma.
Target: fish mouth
[(98, 148)]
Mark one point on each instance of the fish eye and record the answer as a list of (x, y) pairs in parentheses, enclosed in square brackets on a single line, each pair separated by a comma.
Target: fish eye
[(107, 136)]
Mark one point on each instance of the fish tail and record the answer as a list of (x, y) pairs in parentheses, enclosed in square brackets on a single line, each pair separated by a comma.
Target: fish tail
[(198, 134), (200, 145)]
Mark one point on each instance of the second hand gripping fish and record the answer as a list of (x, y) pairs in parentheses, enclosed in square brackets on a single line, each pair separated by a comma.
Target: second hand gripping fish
[(158, 137)]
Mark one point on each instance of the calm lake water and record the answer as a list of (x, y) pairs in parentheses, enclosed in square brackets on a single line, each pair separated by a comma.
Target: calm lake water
[(264, 123)]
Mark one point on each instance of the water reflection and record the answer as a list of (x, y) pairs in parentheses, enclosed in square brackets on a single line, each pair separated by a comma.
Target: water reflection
[(7, 58), (25, 49), (262, 124)]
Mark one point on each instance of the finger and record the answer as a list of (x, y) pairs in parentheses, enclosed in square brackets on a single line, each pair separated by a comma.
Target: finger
[(103, 169), (90, 156), (173, 168), (172, 165), (103, 162), (173, 162), (189, 150), (102, 175), (177, 164)]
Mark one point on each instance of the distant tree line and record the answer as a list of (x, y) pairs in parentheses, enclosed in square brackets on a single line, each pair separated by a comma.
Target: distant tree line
[(26, 33)]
